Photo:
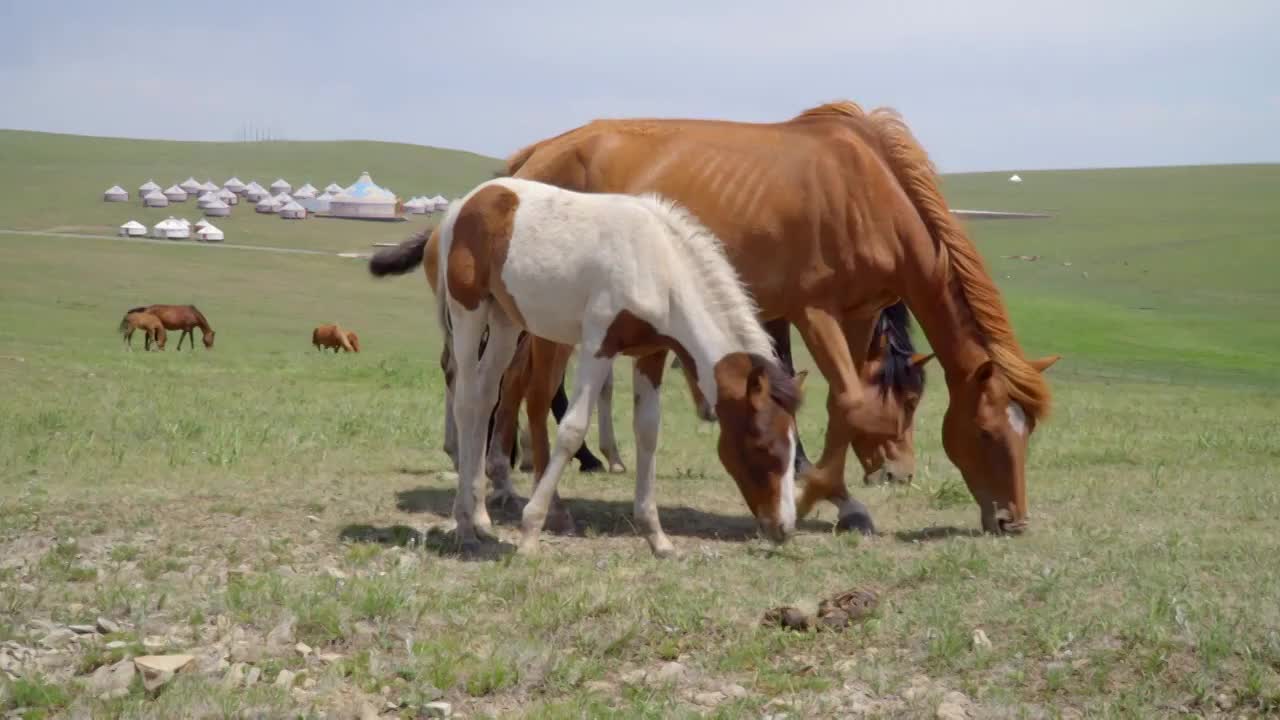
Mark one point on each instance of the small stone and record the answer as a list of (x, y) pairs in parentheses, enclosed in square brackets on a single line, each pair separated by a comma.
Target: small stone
[(109, 678), (251, 678), (437, 709), (83, 629), (285, 679), (159, 669), (58, 638), (1224, 701), (116, 645), (107, 626), (234, 677), (329, 658), (313, 518), (308, 683), (980, 640), (600, 686), (734, 690), (336, 574), (302, 648), (280, 640), (670, 672), (709, 699)]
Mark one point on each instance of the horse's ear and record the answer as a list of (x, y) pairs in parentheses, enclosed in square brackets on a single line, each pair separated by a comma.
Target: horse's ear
[(1044, 363), (757, 387), (918, 360), (984, 374), (799, 379)]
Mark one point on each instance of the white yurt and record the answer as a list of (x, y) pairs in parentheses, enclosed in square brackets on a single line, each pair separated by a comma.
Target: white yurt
[(293, 211), (183, 222), (209, 233), (175, 194), (206, 198), (115, 193), (416, 206), (255, 192), (267, 205), (171, 229), (1014, 178), (317, 204), (155, 198), (147, 187), (209, 186), (133, 228), (217, 208), (227, 196), (202, 223), (364, 199), (191, 186), (304, 192), (234, 185), (281, 186), (334, 188)]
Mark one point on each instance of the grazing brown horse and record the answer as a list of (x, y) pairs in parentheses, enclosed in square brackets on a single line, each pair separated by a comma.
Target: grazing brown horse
[(828, 218), (181, 317), (332, 336), (152, 329)]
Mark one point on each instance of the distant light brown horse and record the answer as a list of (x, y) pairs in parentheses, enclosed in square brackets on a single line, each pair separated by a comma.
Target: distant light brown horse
[(333, 336), (828, 218), (150, 325), (181, 317)]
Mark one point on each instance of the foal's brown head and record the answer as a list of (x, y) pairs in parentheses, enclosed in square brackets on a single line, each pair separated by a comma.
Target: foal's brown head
[(756, 404), (208, 340), (895, 379)]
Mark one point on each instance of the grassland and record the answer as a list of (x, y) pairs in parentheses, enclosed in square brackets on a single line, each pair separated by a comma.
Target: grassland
[(233, 502)]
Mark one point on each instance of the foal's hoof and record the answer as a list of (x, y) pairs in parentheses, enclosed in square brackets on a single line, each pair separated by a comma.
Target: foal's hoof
[(859, 520), (662, 547), (617, 468), (526, 466), (560, 523), (528, 547)]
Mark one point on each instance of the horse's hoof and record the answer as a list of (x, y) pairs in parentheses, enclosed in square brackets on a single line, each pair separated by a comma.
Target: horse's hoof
[(560, 523), (469, 548), (859, 520), (526, 466), (617, 468), (662, 548), (528, 547)]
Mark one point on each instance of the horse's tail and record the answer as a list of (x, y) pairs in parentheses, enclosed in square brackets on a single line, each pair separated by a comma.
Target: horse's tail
[(401, 258)]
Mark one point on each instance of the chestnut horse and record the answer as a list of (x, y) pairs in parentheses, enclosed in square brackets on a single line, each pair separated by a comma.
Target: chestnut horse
[(828, 218), (152, 329), (615, 274), (181, 317), (332, 336)]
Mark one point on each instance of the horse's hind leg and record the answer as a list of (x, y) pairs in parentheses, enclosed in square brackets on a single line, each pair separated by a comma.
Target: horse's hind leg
[(587, 461), (548, 364), (477, 385), (515, 381), (450, 425), (608, 442), (780, 331)]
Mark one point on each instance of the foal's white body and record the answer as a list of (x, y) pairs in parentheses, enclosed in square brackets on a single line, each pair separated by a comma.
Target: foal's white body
[(575, 261)]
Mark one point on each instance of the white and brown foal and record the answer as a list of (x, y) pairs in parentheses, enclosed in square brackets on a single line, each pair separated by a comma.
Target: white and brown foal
[(615, 275)]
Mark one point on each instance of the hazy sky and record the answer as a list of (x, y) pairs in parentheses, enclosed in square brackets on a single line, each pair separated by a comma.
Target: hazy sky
[(985, 84)]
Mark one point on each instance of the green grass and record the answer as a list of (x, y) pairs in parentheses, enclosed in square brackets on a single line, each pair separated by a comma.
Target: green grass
[(182, 490), (54, 182)]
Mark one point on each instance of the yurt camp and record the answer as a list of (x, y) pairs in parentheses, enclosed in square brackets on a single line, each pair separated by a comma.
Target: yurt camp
[(171, 229), (209, 233), (147, 187), (217, 208), (133, 228), (115, 193), (175, 194), (228, 197), (155, 198), (365, 201), (267, 205), (293, 211), (281, 186), (305, 192), (234, 185)]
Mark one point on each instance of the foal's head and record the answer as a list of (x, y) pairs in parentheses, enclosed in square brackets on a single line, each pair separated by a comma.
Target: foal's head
[(208, 339), (895, 378), (756, 404)]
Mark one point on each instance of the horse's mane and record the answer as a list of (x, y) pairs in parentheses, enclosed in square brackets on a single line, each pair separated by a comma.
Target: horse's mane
[(521, 156), (140, 308), (723, 289), (961, 261), (897, 372), (204, 324)]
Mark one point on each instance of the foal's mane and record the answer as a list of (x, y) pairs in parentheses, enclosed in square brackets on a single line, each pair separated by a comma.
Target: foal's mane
[(897, 372), (917, 175)]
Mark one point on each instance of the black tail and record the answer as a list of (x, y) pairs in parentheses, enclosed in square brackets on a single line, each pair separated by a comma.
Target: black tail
[(401, 258)]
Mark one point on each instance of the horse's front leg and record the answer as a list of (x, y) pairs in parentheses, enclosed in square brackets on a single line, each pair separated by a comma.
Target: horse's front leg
[(572, 431), (476, 386), (609, 442), (645, 422)]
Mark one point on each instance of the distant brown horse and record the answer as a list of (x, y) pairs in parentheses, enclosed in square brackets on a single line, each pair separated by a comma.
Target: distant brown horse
[(150, 325), (332, 336), (181, 317)]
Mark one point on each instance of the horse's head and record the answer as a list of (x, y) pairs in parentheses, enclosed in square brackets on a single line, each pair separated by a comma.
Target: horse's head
[(756, 403), (985, 432), (208, 340), (354, 340), (896, 380)]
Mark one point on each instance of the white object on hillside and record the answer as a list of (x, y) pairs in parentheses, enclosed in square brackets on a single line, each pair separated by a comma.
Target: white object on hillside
[(281, 186), (234, 185), (293, 211), (255, 192), (283, 199), (133, 228), (191, 186), (364, 199), (217, 208), (147, 187), (175, 194), (202, 222), (1014, 178), (155, 198), (210, 186), (305, 192), (317, 204), (267, 205), (171, 229), (115, 193), (206, 198), (209, 233), (334, 188), (227, 196)]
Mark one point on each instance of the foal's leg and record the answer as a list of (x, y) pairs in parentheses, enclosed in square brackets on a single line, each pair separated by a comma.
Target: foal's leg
[(572, 431), (780, 331), (515, 382), (477, 391), (450, 424), (608, 442), (548, 363), (587, 461), (648, 414)]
